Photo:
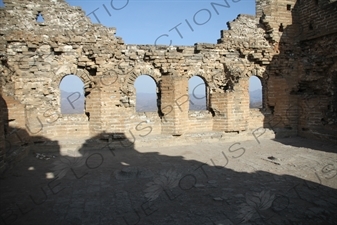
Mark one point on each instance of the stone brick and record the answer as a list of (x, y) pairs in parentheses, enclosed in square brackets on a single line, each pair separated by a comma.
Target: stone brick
[(289, 45)]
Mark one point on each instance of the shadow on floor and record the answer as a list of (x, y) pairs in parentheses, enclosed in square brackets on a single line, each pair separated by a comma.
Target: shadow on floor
[(110, 182)]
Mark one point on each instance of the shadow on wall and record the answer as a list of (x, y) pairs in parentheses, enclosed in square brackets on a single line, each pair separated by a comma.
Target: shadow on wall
[(110, 182), (301, 80), (17, 142), (2, 132)]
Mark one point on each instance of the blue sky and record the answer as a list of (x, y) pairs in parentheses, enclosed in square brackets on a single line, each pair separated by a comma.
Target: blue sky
[(179, 22), (143, 21)]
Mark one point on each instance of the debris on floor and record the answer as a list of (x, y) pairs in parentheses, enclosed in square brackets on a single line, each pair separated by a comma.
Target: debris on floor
[(271, 158), (43, 156)]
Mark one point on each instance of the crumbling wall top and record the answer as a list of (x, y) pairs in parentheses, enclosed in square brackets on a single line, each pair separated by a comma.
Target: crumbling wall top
[(50, 20)]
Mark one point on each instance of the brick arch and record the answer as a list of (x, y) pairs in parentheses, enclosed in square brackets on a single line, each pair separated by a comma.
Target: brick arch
[(138, 71), (156, 89), (197, 72), (258, 77), (154, 80), (155, 73), (207, 87), (263, 76), (201, 77), (208, 79), (80, 73), (258, 71)]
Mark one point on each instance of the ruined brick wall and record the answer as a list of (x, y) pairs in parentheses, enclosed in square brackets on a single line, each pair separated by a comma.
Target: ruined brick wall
[(317, 69), (248, 54), (277, 19), (38, 55), (41, 54), (316, 18), (301, 84), (200, 121)]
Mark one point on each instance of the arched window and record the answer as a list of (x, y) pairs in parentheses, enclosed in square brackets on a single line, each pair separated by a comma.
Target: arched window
[(72, 95), (146, 94), (197, 93), (255, 92)]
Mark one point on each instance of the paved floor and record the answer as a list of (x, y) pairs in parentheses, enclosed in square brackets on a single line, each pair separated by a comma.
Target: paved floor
[(287, 181)]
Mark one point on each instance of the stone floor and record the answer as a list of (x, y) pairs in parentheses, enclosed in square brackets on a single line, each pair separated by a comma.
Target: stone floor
[(283, 181)]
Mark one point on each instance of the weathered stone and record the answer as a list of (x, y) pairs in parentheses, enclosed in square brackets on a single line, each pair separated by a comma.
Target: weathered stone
[(294, 58)]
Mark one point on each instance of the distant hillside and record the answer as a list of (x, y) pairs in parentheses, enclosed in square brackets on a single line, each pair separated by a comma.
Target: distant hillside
[(72, 102), (147, 102), (255, 99), (197, 102)]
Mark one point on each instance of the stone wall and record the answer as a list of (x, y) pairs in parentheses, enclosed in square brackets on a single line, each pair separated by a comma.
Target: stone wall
[(317, 77), (302, 76), (39, 55), (36, 56)]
